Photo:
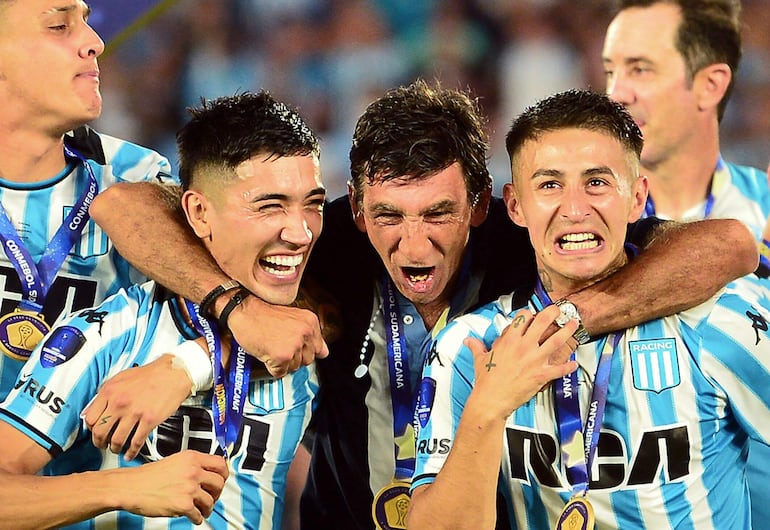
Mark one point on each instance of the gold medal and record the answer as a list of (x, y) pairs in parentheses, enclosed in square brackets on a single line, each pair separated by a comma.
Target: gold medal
[(391, 505), (578, 514), (20, 332)]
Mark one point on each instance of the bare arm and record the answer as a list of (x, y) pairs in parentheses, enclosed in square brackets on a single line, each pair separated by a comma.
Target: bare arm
[(682, 267), (184, 484), (148, 229), (463, 496)]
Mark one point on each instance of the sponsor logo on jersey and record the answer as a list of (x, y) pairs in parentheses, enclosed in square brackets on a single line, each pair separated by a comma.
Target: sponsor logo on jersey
[(654, 364), (43, 397), (61, 345)]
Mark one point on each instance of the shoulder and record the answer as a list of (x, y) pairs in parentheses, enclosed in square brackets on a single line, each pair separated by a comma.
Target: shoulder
[(127, 161)]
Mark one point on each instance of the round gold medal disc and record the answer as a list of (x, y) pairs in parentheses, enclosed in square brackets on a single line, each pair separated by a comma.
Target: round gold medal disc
[(20, 332), (391, 505), (578, 514)]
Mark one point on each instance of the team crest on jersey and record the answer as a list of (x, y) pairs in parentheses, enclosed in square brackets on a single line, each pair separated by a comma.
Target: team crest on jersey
[(62, 344), (655, 364), (425, 400), (92, 242), (266, 395)]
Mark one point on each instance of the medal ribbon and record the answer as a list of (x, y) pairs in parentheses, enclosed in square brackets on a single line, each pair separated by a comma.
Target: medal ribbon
[(229, 397), (401, 394), (578, 447), (36, 278)]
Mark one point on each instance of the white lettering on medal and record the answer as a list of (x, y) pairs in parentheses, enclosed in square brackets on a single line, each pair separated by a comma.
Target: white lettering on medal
[(240, 362), (83, 210), (398, 364), (591, 422), (26, 270), (567, 386)]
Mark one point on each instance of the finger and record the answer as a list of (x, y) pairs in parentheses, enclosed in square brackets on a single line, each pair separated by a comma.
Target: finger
[(121, 434), (101, 431), (477, 347), (518, 325), (560, 343), (323, 351), (137, 439), (94, 410), (542, 321)]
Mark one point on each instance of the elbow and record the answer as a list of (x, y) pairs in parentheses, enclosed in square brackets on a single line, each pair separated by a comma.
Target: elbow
[(746, 249), (109, 201)]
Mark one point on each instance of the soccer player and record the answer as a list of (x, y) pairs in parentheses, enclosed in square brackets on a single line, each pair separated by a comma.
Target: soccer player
[(421, 238), (651, 430), (253, 195)]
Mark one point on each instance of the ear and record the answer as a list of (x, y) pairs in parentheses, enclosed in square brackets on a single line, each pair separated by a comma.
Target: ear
[(196, 208), (512, 205), (358, 215), (710, 85), (481, 208), (639, 198)]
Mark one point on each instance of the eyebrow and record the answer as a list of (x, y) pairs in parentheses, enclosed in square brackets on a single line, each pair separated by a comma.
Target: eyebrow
[(382, 207), (283, 197), (598, 170), (72, 7)]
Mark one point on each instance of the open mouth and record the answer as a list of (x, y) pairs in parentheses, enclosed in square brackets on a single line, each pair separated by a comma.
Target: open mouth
[(281, 265), (417, 275), (579, 241)]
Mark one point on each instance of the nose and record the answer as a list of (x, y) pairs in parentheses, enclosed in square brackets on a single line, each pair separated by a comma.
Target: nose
[(619, 89), (415, 243), (93, 45), (575, 205), (296, 231)]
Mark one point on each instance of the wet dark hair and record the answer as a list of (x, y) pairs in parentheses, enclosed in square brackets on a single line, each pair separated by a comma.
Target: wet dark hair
[(415, 131), (581, 109), (224, 132)]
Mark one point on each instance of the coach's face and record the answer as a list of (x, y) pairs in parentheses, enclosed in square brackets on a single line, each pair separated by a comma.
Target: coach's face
[(261, 224), (420, 229)]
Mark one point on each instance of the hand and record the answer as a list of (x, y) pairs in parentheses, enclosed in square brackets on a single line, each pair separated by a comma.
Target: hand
[(135, 401), (518, 365), (183, 484), (283, 338)]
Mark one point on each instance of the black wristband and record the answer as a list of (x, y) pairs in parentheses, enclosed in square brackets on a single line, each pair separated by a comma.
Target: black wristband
[(216, 292), (234, 302)]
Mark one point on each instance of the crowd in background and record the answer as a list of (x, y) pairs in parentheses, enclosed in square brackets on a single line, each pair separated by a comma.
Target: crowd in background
[(330, 58)]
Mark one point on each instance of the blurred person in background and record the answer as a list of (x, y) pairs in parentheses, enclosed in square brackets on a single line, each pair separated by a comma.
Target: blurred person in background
[(673, 65)]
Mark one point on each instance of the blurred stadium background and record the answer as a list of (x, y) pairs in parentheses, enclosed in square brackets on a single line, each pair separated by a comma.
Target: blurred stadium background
[(330, 58)]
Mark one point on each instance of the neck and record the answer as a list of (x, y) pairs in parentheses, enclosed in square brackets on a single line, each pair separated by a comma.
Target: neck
[(430, 313), (558, 286), (30, 157), (682, 182)]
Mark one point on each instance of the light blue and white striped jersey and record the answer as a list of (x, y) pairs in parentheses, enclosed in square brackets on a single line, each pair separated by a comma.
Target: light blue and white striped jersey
[(742, 192), (685, 394), (93, 269), (131, 328), (739, 192)]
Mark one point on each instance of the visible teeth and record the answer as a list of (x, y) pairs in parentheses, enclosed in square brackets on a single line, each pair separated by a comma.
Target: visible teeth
[(286, 261), (418, 277), (579, 237), (282, 265), (581, 241)]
